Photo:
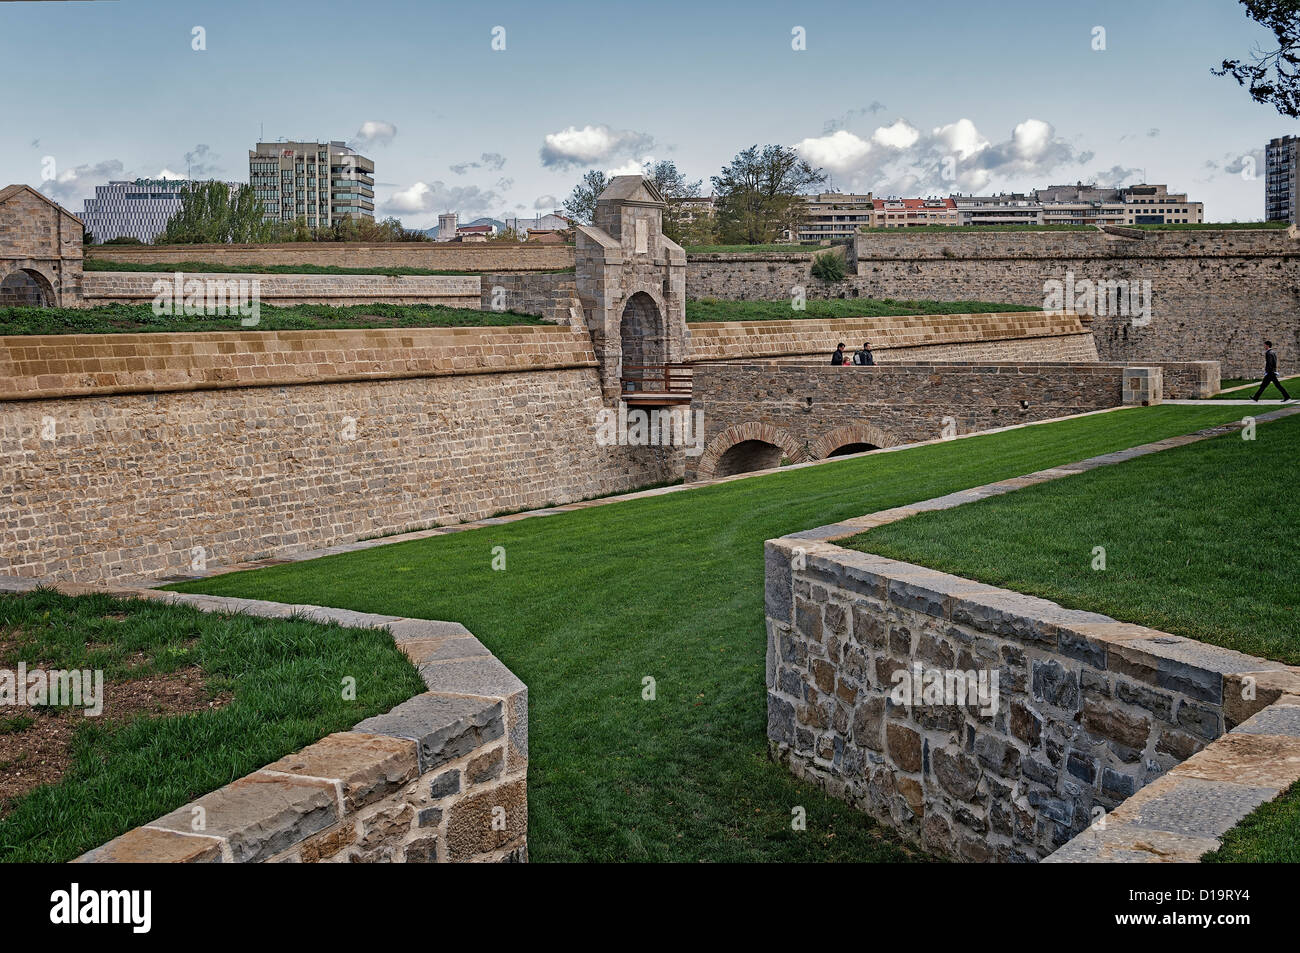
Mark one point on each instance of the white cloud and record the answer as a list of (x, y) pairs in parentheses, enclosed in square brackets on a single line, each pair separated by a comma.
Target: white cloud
[(546, 203), (961, 138), (898, 136), (423, 197), (70, 186), (591, 145), (166, 173), (374, 132), (841, 151)]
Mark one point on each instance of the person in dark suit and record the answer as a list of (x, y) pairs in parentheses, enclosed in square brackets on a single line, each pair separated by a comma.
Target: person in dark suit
[(838, 357), (864, 358), (1270, 373)]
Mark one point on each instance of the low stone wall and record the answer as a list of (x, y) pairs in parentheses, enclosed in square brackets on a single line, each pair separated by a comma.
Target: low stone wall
[(1002, 336), (137, 287), (762, 276), (1089, 710), (434, 256), (441, 777), (551, 296), (155, 455)]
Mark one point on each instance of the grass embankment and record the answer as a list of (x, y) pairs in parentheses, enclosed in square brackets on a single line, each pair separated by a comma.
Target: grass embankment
[(139, 318), (712, 309), (208, 267), (595, 601), (1197, 542), (280, 682)]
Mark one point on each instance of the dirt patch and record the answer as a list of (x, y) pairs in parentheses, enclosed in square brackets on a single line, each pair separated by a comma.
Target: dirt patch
[(39, 753)]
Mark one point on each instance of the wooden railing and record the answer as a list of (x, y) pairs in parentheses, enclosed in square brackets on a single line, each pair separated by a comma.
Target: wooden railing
[(656, 384)]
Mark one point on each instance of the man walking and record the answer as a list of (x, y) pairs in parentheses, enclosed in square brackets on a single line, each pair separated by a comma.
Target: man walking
[(838, 357), (1270, 373), (864, 358)]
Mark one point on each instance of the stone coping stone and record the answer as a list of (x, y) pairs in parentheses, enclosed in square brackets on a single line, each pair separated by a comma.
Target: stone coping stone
[(472, 699)]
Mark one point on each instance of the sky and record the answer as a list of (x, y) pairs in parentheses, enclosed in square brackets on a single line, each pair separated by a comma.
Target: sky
[(497, 109)]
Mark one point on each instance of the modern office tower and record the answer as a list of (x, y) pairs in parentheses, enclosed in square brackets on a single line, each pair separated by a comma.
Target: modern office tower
[(320, 182), (137, 209), (1280, 161)]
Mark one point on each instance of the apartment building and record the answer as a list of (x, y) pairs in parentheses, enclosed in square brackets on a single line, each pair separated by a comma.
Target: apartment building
[(1005, 208), (1281, 157), (903, 213), (1081, 204), (830, 216), (321, 182)]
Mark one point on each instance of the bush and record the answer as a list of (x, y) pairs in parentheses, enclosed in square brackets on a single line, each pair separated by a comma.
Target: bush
[(828, 266)]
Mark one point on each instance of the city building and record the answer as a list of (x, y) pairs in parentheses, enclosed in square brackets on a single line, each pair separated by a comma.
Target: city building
[(1005, 208), (692, 208), (1281, 204), (136, 209), (830, 216), (541, 223), (317, 181), (905, 213), (1156, 205), (1081, 204)]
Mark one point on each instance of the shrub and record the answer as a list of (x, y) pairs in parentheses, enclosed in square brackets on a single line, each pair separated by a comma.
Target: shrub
[(828, 266)]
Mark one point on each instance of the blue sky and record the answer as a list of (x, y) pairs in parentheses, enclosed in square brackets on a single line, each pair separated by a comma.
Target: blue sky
[(920, 98)]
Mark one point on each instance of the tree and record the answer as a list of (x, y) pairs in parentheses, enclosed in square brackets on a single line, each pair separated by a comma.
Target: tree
[(672, 185), (758, 194), (213, 212), (1272, 76), (581, 203)]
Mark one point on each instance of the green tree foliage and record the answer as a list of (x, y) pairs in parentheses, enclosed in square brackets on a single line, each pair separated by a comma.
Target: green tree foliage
[(673, 186), (758, 194), (581, 203), (1273, 76), (213, 212)]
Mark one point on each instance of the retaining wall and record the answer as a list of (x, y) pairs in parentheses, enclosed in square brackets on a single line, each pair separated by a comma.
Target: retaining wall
[(1090, 710), (170, 456), (441, 777)]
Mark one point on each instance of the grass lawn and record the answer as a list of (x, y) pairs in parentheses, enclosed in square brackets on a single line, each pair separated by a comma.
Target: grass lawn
[(137, 318), (1198, 542), (788, 249), (209, 267), (594, 601), (711, 309), (1292, 385), (278, 682)]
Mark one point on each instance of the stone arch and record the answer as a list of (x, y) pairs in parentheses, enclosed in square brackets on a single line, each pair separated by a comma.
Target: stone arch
[(783, 445), (848, 435), (642, 329), (46, 285)]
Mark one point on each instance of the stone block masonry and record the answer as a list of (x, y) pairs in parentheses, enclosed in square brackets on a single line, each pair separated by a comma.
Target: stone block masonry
[(433, 256), (1215, 294), (810, 411), (1089, 710), (441, 777), (399, 431), (453, 291)]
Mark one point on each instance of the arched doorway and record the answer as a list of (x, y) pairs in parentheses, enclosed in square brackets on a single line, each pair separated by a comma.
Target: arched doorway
[(25, 287), (641, 331), (748, 456)]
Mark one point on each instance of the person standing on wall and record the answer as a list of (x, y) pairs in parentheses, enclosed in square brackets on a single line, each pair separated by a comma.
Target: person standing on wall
[(864, 358), (1270, 373), (838, 357)]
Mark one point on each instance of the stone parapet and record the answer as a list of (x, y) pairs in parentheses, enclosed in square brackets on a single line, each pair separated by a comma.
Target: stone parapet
[(441, 777)]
